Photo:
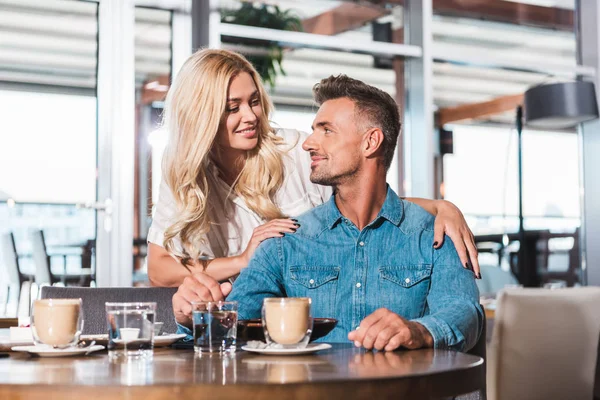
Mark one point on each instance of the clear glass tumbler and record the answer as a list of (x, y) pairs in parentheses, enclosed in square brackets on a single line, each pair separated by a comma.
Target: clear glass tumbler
[(130, 330), (215, 326)]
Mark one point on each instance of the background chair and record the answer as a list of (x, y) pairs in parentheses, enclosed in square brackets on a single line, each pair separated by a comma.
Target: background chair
[(93, 300), (43, 271), (545, 344), (16, 280)]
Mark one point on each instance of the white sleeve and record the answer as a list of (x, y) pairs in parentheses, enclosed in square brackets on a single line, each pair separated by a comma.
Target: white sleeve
[(318, 194), (324, 191), (163, 216)]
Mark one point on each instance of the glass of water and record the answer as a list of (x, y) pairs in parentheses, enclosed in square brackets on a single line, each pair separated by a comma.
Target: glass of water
[(215, 326), (130, 330)]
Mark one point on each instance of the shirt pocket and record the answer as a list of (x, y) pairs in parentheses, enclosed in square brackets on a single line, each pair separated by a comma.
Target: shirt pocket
[(403, 289), (317, 282)]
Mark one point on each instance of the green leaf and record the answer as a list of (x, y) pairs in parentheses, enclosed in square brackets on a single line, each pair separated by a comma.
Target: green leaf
[(265, 16)]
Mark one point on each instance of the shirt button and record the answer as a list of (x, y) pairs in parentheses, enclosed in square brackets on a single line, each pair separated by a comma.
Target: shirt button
[(358, 285), (311, 281), (361, 244), (407, 280)]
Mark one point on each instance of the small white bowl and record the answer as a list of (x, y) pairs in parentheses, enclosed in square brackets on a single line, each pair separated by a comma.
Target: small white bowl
[(129, 334)]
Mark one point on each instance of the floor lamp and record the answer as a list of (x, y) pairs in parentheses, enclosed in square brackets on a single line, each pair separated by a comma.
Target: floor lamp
[(550, 107)]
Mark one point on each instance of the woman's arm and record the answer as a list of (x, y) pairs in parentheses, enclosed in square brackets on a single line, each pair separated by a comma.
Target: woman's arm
[(428, 205), (449, 220), (164, 270)]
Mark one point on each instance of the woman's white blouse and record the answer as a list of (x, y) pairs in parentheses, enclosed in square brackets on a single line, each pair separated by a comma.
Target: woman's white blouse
[(232, 221)]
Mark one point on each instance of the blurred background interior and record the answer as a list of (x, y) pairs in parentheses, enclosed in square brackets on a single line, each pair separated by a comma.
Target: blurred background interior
[(82, 85)]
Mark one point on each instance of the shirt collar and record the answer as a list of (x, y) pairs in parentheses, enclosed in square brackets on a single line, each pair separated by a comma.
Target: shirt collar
[(391, 210)]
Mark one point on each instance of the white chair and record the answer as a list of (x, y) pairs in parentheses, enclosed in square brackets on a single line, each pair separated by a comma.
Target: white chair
[(545, 344), (16, 280)]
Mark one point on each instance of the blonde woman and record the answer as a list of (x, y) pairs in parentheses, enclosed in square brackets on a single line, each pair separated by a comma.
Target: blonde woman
[(230, 180)]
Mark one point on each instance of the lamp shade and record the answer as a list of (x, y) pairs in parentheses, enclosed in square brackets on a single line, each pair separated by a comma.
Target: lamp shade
[(560, 105)]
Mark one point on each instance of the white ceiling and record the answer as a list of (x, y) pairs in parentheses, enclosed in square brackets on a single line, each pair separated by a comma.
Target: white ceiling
[(54, 43)]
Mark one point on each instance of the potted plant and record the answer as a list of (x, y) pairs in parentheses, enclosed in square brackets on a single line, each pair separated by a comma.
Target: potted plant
[(267, 60)]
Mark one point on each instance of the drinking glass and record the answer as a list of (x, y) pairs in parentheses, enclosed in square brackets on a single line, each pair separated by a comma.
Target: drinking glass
[(215, 326), (57, 322), (130, 330), (287, 321)]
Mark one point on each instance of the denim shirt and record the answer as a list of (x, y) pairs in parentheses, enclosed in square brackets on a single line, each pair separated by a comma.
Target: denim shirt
[(349, 273)]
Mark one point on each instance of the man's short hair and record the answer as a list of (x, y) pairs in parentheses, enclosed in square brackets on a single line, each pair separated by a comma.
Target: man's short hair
[(374, 107)]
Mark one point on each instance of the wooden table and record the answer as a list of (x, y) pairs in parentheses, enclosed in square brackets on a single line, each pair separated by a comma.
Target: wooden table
[(343, 372)]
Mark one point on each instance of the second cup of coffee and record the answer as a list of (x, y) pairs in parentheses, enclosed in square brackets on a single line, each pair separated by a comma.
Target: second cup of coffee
[(57, 322), (287, 321)]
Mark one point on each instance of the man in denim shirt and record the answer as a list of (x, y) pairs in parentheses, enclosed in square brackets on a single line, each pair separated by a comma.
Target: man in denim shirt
[(365, 256)]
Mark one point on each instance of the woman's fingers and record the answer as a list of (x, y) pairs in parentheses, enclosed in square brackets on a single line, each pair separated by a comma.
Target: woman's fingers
[(461, 249), (274, 228), (438, 233), (269, 234), (282, 221), (473, 255)]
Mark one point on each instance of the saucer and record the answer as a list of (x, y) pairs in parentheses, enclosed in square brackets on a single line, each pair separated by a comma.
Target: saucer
[(310, 348), (47, 351), (99, 338), (166, 340), (6, 344), (159, 341)]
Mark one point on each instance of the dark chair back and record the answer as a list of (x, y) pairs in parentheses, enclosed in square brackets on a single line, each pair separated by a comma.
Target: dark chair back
[(480, 346), (93, 300)]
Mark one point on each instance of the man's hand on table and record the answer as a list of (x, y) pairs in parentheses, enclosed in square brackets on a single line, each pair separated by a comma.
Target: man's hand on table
[(197, 287), (385, 330)]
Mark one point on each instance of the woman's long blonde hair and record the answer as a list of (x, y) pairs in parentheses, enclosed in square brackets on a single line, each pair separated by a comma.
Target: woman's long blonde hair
[(194, 110)]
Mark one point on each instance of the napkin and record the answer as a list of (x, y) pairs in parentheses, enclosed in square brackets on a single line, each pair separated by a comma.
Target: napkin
[(256, 344)]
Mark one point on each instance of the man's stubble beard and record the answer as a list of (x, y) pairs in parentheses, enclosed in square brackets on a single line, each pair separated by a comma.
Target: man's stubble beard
[(326, 179)]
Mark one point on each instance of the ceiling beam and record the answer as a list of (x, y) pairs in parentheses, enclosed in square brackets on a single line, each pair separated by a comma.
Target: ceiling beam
[(155, 89), (502, 11), (508, 12), (484, 109), (345, 17)]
